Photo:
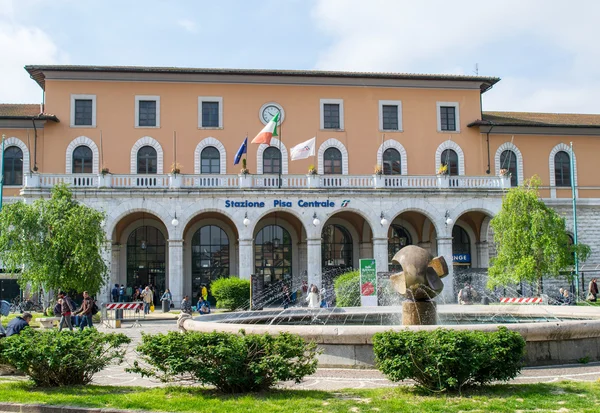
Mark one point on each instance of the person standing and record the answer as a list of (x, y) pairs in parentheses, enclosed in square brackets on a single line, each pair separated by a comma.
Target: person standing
[(167, 296), (313, 297), (115, 293), (286, 297), (67, 308), (122, 292), (593, 291), (17, 324), (87, 307), (148, 298), (204, 292)]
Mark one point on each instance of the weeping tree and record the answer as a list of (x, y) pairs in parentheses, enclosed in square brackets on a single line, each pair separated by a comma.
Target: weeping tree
[(531, 239), (54, 244)]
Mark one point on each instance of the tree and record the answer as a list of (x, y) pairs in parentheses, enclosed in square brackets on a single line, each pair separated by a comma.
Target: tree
[(531, 239), (54, 244)]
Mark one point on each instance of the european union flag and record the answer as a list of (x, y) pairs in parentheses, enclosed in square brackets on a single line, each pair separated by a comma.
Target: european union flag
[(240, 152)]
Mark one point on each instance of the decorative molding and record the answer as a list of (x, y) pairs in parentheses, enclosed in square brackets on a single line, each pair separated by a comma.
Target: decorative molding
[(210, 141), (565, 148), (393, 144), (77, 142), (449, 144), (284, 156), (147, 141), (14, 141), (332, 142), (509, 146)]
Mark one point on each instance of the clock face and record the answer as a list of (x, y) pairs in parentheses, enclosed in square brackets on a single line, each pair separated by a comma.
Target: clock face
[(268, 110)]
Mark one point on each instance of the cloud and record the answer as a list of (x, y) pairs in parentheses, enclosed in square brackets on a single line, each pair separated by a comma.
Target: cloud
[(515, 40), (22, 45), (188, 25)]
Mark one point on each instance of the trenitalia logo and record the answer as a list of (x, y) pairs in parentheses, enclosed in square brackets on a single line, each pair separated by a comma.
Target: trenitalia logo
[(345, 203)]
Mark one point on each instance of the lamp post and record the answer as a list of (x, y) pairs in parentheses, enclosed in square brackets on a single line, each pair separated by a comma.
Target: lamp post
[(2, 173)]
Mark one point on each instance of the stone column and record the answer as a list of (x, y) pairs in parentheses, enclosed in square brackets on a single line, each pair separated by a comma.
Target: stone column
[(483, 254), (314, 266), (444, 248), (246, 260), (107, 255), (175, 284), (380, 253)]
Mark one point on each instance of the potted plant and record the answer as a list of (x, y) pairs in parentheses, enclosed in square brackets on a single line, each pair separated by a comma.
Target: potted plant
[(442, 170), (378, 176), (245, 179), (504, 174), (312, 178), (105, 171), (104, 179), (175, 168), (378, 170), (442, 176)]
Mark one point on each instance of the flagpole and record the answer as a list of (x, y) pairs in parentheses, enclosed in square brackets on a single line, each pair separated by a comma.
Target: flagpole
[(280, 139), (574, 224)]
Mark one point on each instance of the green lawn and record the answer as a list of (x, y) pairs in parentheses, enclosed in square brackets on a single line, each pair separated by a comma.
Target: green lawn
[(33, 322), (565, 396)]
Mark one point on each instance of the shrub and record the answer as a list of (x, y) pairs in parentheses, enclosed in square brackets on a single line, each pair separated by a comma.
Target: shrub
[(52, 358), (347, 289), (449, 359), (231, 293), (233, 363)]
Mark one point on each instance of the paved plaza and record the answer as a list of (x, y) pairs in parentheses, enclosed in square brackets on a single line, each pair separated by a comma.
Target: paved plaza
[(323, 379)]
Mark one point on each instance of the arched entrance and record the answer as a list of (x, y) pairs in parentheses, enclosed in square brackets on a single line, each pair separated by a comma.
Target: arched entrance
[(461, 247), (273, 255), (210, 255), (336, 248), (398, 238), (146, 258)]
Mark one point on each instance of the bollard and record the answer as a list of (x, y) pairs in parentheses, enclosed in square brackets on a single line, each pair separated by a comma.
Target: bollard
[(119, 314)]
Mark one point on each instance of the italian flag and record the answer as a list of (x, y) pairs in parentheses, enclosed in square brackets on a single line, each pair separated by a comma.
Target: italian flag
[(270, 130)]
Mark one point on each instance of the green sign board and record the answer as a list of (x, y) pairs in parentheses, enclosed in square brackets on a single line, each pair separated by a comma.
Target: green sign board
[(368, 278)]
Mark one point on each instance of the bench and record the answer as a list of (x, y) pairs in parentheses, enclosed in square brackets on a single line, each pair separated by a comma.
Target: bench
[(47, 322)]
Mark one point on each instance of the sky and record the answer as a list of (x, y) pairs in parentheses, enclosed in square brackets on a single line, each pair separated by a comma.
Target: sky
[(546, 52)]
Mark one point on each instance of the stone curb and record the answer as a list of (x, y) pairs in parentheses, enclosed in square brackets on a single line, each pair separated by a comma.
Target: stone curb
[(43, 408)]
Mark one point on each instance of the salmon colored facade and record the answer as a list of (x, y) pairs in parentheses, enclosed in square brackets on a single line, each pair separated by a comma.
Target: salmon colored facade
[(425, 206)]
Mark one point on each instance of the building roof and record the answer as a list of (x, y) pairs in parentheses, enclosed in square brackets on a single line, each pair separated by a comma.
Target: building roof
[(532, 119), (37, 73), (24, 111)]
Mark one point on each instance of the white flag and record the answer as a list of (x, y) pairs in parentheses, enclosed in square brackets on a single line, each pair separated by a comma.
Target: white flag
[(304, 150)]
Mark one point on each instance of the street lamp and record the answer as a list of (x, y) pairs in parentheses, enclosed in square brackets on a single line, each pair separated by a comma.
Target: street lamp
[(383, 221), (316, 221), (449, 221), (246, 220)]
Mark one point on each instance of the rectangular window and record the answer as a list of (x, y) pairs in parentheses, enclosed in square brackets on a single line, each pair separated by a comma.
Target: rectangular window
[(210, 114), (331, 116), (390, 117), (147, 113), (84, 112), (448, 118)]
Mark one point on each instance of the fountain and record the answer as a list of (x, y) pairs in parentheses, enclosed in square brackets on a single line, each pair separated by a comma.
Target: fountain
[(419, 282), (554, 334)]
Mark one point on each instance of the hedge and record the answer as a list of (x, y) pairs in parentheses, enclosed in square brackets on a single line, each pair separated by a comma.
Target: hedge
[(347, 289), (231, 293)]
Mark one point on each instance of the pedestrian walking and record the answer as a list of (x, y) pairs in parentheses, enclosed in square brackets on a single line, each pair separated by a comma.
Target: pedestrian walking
[(313, 297), (148, 298), (168, 297), (286, 296), (86, 311), (592, 291), (67, 308)]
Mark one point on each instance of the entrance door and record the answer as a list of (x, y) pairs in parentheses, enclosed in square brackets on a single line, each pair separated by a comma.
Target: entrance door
[(146, 258)]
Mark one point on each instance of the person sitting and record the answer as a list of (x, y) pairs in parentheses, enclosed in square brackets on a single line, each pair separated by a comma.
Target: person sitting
[(561, 296), (568, 299), (17, 324), (203, 306), (186, 305)]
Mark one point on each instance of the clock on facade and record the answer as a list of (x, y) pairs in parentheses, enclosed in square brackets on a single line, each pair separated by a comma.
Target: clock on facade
[(268, 110)]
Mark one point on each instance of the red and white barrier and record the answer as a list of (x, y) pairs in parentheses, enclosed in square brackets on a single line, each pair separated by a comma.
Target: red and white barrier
[(521, 300), (125, 306)]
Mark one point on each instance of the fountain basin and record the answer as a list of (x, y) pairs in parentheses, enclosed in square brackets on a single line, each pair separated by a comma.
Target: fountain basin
[(554, 334)]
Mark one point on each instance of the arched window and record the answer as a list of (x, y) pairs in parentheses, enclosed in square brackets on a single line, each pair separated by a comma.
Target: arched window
[(82, 160), (273, 254), (461, 246), (391, 162), (147, 161), (398, 238), (271, 160), (210, 256), (332, 161), (210, 160), (146, 258), (508, 160), (562, 169), (13, 166), (450, 158), (336, 247)]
